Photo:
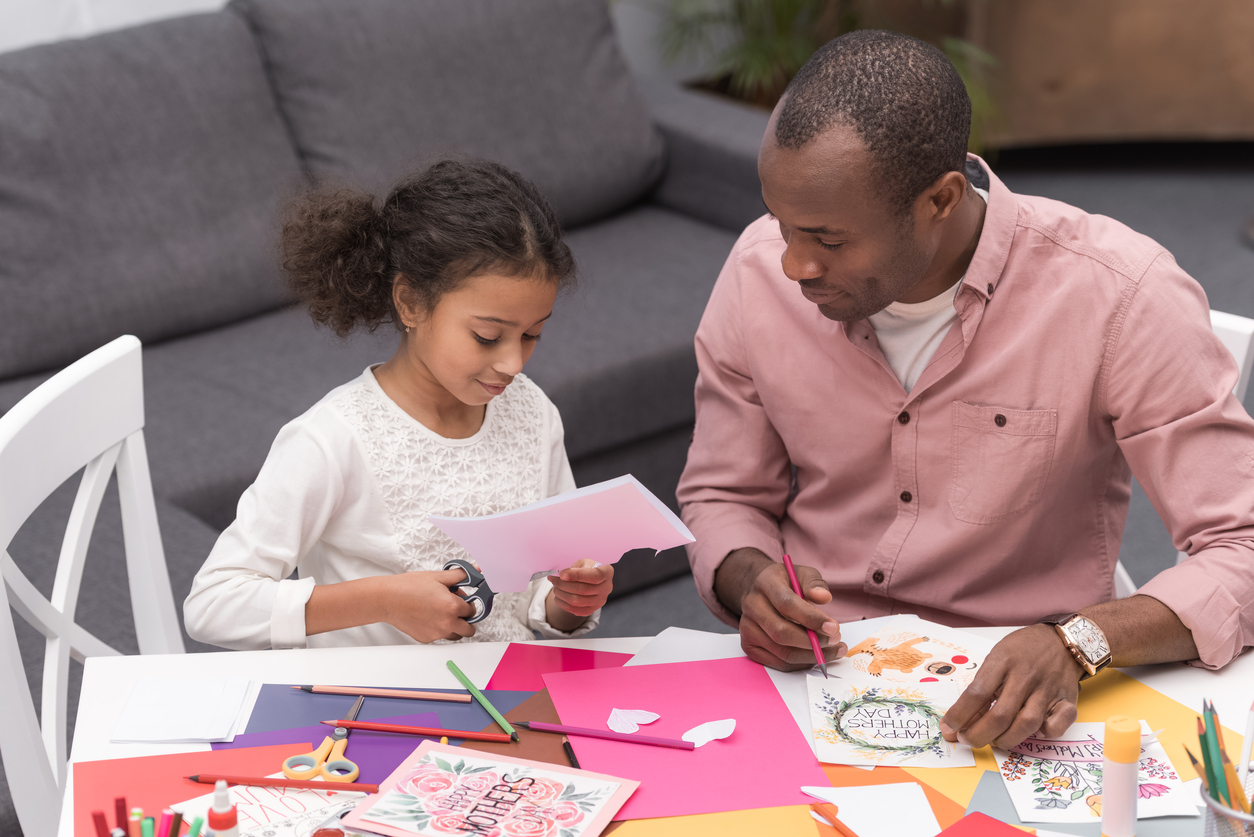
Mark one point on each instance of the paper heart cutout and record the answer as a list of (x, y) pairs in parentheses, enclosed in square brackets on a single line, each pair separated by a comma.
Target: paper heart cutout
[(710, 731), (629, 720)]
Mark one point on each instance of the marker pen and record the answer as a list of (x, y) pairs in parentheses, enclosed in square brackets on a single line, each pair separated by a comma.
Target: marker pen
[(135, 824), (1121, 765), (223, 818)]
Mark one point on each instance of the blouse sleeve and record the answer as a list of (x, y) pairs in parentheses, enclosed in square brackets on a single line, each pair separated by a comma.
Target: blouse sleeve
[(243, 598), (560, 480)]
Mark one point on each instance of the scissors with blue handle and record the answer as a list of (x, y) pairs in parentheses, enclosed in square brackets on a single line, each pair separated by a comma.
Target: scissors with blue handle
[(328, 761), (475, 588)]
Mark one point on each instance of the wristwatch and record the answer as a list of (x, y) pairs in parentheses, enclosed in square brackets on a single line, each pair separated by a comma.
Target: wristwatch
[(1084, 640)]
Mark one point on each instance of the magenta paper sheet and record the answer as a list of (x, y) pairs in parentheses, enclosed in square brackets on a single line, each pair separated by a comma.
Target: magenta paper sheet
[(764, 763), (523, 665)]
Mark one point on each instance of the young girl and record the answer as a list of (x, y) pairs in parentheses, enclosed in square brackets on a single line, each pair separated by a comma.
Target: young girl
[(465, 259)]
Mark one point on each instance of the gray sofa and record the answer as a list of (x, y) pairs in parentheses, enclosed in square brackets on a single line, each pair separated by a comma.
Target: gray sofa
[(140, 176)]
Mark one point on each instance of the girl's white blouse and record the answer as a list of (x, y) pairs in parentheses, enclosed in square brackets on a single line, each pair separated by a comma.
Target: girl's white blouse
[(345, 493)]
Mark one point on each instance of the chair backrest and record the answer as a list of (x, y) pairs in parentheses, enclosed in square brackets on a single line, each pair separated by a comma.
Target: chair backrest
[(89, 416)]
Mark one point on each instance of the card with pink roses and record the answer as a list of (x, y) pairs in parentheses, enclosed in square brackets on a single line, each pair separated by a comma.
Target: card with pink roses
[(442, 790)]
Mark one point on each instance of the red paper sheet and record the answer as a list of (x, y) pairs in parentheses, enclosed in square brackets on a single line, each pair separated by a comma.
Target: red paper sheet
[(522, 665), (980, 825), (763, 764), (156, 782)]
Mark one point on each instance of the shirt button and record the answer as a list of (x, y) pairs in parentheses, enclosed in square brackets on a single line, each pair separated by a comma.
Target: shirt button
[(999, 420), (903, 418), (990, 288), (878, 577), (906, 496)]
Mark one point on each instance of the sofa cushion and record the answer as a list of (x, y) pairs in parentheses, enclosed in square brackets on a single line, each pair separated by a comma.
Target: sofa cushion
[(372, 88), (139, 174), (617, 358)]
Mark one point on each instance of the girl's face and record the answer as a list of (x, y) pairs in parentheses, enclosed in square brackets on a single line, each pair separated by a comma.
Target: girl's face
[(478, 337)]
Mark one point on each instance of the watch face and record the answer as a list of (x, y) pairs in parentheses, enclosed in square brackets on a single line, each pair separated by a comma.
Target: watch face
[(1088, 638)]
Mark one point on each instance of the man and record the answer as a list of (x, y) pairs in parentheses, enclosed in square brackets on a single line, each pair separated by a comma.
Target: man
[(932, 392)]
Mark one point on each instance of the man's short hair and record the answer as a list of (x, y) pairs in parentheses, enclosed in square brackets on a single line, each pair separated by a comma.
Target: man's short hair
[(902, 96)]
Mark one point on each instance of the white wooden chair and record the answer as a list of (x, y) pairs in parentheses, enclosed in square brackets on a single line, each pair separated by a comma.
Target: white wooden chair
[(89, 416), (1237, 333)]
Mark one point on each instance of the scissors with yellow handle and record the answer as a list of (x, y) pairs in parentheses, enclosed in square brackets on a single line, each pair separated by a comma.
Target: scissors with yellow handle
[(328, 761)]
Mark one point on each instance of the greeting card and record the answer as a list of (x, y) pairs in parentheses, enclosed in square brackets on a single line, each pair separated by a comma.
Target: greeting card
[(883, 725), (1060, 780), (915, 652), (441, 790)]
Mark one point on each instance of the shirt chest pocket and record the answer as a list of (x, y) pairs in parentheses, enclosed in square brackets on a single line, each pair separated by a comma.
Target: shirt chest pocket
[(1000, 460)]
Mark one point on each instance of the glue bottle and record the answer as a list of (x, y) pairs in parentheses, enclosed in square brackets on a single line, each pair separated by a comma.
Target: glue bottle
[(222, 816), (1121, 765)]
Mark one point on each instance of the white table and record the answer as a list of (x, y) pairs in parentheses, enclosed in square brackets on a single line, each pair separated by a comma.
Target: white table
[(107, 681)]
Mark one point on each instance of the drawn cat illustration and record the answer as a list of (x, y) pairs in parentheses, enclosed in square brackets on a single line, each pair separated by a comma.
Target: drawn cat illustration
[(903, 657)]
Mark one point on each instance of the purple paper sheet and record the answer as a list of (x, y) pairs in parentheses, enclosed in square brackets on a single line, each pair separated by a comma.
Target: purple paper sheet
[(377, 754)]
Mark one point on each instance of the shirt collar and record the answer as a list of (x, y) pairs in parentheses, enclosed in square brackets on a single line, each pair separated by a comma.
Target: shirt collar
[(1000, 219)]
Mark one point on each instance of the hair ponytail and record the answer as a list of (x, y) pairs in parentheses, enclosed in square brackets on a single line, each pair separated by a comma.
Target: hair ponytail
[(335, 254), (434, 230)]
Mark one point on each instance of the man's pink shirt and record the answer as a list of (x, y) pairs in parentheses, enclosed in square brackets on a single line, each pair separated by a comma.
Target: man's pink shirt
[(996, 491)]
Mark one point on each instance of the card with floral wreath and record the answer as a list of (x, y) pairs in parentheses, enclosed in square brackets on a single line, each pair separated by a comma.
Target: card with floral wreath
[(887, 724), (442, 790), (1060, 780)]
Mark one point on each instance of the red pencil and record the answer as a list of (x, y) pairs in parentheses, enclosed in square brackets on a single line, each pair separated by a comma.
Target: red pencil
[(430, 732), (814, 639), (102, 825), (267, 782), (119, 808)]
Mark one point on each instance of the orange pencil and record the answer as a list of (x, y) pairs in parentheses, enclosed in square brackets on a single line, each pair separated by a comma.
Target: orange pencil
[(829, 812), (407, 694), (267, 782)]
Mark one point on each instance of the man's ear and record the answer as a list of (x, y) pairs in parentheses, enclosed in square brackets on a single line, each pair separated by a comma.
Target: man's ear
[(941, 198)]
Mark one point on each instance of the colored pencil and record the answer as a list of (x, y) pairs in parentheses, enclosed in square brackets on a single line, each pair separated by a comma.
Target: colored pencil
[(1198, 768), (1219, 782), (149, 826), (1243, 769), (1235, 790), (101, 824), (119, 809), (814, 638), (1211, 787), (675, 743), (267, 782), (406, 694), (135, 823), (430, 732), (197, 824), (570, 752), (829, 812), (176, 824), (163, 829), (483, 701), (1234, 786)]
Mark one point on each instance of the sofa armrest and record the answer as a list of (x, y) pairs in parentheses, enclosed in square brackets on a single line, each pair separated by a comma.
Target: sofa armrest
[(712, 147)]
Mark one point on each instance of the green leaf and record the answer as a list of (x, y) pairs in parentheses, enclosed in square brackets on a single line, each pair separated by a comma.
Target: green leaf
[(1078, 794), (443, 765)]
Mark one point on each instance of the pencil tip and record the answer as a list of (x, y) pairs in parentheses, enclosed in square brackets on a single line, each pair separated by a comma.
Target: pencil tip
[(195, 778), (523, 724), (513, 736)]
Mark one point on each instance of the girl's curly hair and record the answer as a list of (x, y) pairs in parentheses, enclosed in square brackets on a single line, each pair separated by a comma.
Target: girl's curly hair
[(435, 229)]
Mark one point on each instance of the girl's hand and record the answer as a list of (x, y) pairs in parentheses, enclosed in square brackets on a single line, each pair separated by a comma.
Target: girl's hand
[(577, 592), (422, 605)]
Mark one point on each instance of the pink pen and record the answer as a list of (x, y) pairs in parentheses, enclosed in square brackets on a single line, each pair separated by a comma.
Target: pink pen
[(814, 638)]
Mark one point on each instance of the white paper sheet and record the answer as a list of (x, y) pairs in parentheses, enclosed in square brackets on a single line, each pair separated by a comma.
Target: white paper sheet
[(275, 812), (897, 810), (183, 709), (601, 522), (1060, 780)]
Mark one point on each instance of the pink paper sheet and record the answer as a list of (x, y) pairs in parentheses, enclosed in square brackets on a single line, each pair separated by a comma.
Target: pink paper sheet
[(764, 763), (601, 522), (522, 665)]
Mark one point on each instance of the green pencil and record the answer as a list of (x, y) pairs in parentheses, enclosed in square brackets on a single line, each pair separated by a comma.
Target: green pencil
[(483, 701), (1220, 784)]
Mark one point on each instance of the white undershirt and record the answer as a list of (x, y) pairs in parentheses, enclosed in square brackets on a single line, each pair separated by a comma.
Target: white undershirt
[(910, 333)]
